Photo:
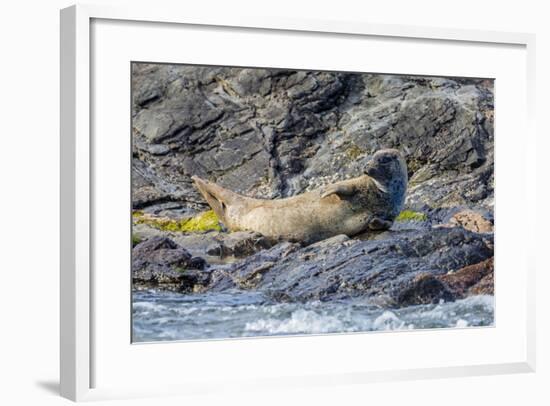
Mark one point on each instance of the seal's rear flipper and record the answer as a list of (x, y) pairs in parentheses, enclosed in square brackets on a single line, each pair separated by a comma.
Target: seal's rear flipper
[(217, 197)]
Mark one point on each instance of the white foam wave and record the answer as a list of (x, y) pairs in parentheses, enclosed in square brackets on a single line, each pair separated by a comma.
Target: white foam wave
[(388, 321), (461, 323), (301, 321), (147, 306), (168, 317)]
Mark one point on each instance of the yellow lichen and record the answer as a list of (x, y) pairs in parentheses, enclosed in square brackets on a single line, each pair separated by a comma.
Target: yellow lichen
[(202, 222), (409, 215), (353, 152), (205, 221)]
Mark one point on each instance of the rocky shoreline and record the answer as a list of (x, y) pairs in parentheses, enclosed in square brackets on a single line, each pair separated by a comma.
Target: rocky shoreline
[(270, 133), (412, 263)]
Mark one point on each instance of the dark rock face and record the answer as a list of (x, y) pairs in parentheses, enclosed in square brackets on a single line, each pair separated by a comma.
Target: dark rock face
[(160, 262), (422, 289), (275, 133), (400, 270)]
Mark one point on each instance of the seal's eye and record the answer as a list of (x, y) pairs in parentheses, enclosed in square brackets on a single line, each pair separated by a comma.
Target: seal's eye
[(385, 160)]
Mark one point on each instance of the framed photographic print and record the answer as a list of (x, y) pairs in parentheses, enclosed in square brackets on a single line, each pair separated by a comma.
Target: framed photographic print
[(301, 207)]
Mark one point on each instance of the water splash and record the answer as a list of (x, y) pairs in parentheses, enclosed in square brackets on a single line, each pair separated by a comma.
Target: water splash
[(161, 316)]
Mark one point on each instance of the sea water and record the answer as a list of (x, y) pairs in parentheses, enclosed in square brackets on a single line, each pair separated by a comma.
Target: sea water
[(162, 316)]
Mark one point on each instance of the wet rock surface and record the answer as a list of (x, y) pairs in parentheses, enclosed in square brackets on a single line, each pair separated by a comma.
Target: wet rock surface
[(400, 268)]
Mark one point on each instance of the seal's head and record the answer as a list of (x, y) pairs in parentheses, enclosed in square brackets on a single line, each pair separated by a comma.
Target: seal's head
[(389, 170), (386, 165)]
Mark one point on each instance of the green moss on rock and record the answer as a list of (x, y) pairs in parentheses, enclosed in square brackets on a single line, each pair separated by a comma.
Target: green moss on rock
[(409, 215), (136, 239)]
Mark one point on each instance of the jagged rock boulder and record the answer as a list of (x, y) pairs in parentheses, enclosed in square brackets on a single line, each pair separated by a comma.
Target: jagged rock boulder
[(161, 263)]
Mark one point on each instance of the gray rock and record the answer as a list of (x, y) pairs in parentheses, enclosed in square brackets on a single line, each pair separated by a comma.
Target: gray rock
[(161, 263), (239, 244), (213, 246), (274, 133), (402, 267)]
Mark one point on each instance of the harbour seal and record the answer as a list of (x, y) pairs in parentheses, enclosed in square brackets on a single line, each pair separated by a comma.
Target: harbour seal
[(368, 202)]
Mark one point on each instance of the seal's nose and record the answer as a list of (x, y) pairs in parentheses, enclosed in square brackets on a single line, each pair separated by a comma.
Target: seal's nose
[(371, 170)]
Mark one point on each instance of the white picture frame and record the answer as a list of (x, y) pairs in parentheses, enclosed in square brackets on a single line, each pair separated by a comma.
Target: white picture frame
[(77, 217)]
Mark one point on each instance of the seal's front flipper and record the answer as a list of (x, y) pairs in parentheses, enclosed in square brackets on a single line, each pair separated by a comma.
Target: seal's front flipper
[(378, 224), (342, 190)]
